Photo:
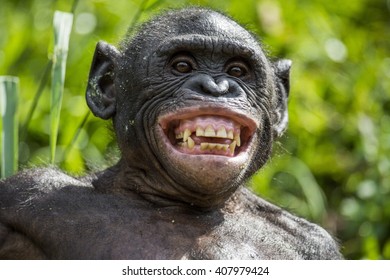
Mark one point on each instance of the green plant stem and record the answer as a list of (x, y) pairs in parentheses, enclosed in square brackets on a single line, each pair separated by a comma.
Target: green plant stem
[(62, 28), (9, 92)]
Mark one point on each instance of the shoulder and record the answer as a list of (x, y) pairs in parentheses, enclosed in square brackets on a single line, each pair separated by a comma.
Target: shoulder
[(309, 240), (36, 182)]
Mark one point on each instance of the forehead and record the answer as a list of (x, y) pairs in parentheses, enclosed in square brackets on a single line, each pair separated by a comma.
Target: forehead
[(193, 29), (202, 22), (210, 24), (199, 23)]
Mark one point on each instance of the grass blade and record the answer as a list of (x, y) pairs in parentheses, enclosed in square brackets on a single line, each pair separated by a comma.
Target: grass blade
[(9, 92), (62, 27), (37, 96), (74, 6), (313, 193), (77, 133), (136, 17)]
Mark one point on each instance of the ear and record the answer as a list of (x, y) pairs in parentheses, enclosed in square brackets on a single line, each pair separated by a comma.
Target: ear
[(101, 95), (282, 74)]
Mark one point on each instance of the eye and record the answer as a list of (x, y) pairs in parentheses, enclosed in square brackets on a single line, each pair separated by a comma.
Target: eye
[(182, 63), (238, 69), (182, 67)]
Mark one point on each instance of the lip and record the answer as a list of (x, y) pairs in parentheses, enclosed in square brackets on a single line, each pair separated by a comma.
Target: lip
[(232, 121)]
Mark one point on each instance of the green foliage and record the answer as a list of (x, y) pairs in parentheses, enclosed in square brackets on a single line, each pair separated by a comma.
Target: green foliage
[(332, 166)]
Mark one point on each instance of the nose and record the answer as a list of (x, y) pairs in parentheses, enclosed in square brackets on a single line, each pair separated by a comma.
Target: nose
[(206, 84)]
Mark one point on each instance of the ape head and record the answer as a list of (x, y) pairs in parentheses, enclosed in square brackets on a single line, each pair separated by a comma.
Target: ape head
[(195, 104)]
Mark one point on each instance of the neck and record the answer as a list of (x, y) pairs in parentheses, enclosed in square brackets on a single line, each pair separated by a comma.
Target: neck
[(154, 187)]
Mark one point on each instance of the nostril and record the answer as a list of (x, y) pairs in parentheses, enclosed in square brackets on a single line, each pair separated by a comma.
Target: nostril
[(204, 88), (223, 86)]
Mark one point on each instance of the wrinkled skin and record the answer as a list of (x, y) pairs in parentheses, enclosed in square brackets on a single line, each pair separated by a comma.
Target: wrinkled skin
[(196, 105)]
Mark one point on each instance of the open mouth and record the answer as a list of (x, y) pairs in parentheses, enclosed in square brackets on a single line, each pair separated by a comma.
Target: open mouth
[(208, 134)]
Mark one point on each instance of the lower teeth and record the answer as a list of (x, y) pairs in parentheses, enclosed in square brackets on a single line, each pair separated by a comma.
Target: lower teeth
[(213, 146), (190, 144)]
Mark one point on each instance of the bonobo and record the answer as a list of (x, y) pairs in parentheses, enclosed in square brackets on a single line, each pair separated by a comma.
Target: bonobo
[(195, 105)]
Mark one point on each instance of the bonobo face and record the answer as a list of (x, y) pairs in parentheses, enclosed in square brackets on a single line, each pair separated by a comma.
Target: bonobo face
[(198, 101)]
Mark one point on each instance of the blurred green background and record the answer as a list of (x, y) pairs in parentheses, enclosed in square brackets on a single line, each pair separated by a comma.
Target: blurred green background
[(333, 164)]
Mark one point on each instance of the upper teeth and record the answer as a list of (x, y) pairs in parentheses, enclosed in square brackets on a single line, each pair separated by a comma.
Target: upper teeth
[(209, 132), (221, 132)]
